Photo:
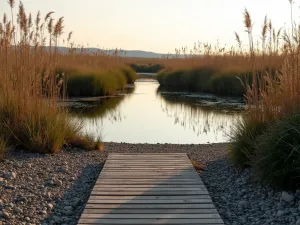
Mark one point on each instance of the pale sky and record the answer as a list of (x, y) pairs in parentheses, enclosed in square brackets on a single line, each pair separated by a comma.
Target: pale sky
[(159, 25)]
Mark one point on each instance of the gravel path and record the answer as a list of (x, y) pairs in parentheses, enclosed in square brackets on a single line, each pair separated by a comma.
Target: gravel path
[(53, 189)]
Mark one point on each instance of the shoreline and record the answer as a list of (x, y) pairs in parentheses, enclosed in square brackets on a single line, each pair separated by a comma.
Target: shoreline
[(53, 189)]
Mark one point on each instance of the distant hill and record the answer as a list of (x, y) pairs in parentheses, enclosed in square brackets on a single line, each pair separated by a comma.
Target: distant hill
[(123, 53)]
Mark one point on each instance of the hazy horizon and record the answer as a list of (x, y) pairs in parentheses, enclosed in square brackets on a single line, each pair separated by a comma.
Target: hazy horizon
[(158, 26)]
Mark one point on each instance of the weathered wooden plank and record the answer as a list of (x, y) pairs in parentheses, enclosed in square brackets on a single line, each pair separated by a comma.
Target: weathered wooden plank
[(150, 216), (151, 161), (151, 172), (148, 181), (148, 186), (154, 153), (162, 162), (145, 197), (148, 166), (146, 169), (158, 159), (145, 176), (138, 201), (150, 221), (150, 206), (172, 174), (158, 179), (166, 193), (150, 211), (117, 189)]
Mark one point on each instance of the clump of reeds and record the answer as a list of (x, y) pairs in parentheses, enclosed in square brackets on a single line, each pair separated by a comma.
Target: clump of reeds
[(268, 138), (29, 86)]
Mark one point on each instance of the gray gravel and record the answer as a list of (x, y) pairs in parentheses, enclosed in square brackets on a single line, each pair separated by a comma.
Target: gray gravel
[(241, 200), (53, 189)]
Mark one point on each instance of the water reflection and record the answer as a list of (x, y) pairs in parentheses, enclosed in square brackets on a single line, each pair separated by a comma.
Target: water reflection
[(153, 115), (199, 114)]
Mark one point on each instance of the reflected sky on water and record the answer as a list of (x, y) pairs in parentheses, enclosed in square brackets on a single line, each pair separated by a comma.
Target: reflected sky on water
[(148, 114)]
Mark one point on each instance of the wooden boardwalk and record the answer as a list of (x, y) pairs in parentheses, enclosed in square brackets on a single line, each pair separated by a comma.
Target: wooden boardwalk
[(149, 189)]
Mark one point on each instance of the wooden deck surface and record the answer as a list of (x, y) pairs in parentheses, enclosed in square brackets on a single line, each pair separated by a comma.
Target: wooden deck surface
[(149, 189)]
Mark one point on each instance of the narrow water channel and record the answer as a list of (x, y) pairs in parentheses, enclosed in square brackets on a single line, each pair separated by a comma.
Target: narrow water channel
[(148, 114)]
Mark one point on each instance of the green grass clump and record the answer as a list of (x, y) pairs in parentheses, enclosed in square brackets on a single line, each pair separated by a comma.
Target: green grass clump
[(272, 150), (40, 129), (242, 149), (278, 153), (46, 134), (204, 79), (86, 142), (229, 83), (130, 74), (199, 79), (161, 76), (82, 83)]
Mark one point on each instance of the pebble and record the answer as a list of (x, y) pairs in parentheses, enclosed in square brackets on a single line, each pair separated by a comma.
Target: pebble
[(18, 210), (10, 175), (6, 215), (287, 197), (58, 182), (50, 206), (10, 187)]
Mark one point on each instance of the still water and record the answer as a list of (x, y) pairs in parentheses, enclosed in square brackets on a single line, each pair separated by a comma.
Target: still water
[(147, 114)]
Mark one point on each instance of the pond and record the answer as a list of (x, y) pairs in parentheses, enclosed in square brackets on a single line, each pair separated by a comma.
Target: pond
[(148, 114)]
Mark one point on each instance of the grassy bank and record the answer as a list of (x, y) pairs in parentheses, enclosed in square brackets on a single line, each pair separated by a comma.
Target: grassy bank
[(227, 83), (82, 83)]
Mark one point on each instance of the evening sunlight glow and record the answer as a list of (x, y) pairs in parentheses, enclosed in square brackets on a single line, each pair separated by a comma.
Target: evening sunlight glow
[(159, 25)]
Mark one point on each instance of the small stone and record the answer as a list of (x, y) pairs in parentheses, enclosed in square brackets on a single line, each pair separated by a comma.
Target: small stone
[(76, 202), (26, 164), (243, 203), (63, 169), (58, 182), (298, 222), (18, 210), (287, 197), (280, 213), (44, 212), (50, 206), (69, 213), (27, 219), (68, 208), (10, 187), (6, 215), (48, 195), (56, 219), (10, 175)]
